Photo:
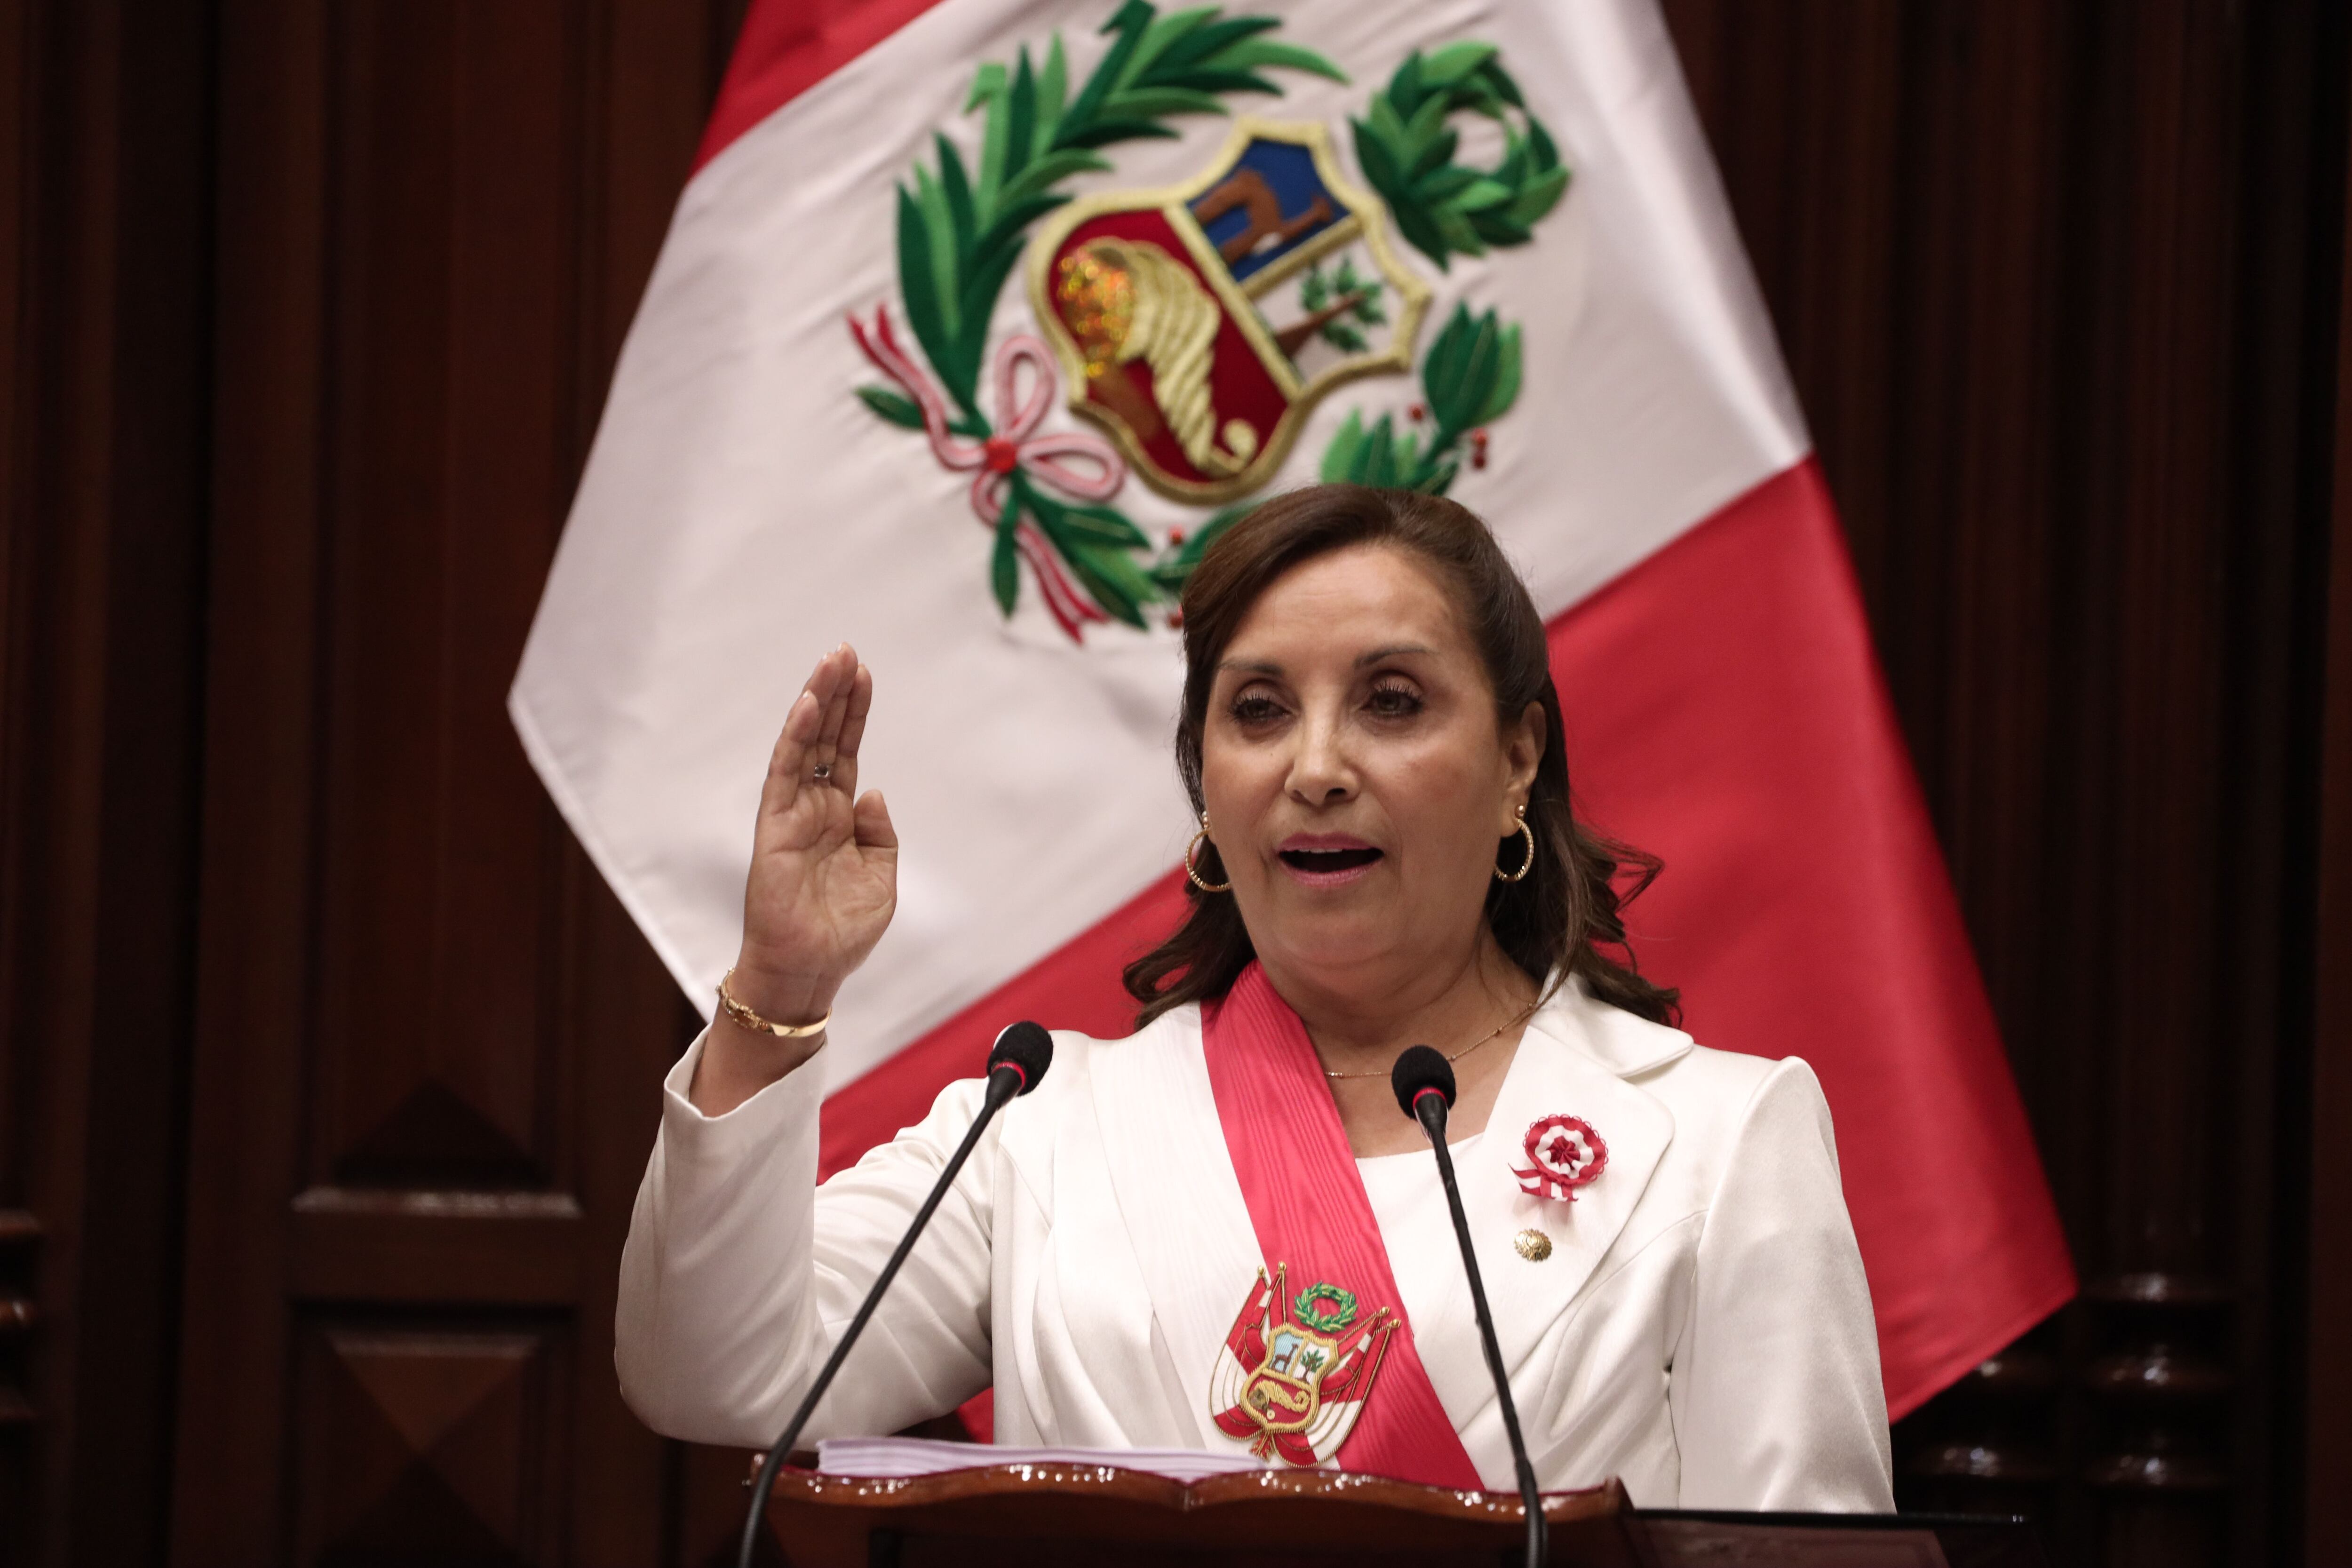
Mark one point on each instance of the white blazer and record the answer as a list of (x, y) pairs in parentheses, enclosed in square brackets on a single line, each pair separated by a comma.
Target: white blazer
[(1702, 1328)]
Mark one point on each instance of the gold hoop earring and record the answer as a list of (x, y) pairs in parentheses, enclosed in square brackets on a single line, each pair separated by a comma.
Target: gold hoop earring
[(1526, 865), (1192, 872)]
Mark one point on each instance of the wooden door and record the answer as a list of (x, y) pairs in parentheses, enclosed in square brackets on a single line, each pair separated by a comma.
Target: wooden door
[(428, 1039)]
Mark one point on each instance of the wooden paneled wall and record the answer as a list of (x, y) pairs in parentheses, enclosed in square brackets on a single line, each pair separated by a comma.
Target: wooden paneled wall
[(427, 1040), (327, 1065), (105, 350), (2059, 285), (2326, 1227)]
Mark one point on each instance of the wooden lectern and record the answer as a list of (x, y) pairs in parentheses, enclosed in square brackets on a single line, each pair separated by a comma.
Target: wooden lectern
[(1033, 1515)]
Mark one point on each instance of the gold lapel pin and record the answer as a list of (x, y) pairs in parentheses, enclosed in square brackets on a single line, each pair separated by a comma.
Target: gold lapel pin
[(1533, 1245)]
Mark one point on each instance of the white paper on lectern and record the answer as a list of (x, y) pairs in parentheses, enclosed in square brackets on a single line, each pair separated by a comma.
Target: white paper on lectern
[(895, 1458)]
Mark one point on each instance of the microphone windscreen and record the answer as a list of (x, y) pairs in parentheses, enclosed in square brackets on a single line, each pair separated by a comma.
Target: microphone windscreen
[(1026, 1049), (1422, 1068)]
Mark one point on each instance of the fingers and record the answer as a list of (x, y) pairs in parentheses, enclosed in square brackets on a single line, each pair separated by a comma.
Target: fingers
[(859, 703), (844, 686), (788, 760), (840, 682), (801, 744)]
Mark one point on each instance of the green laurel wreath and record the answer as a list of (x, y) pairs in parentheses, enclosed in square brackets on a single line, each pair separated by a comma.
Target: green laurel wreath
[(1407, 151), (1470, 376), (960, 232), (1312, 1311)]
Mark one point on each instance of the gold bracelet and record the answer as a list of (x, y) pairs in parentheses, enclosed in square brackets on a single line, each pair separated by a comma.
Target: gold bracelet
[(756, 1024)]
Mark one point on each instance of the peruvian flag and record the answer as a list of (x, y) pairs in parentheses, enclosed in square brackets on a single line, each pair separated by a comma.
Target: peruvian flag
[(978, 317)]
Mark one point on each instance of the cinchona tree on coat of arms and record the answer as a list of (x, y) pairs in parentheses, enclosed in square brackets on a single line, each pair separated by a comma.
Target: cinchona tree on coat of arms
[(1196, 326)]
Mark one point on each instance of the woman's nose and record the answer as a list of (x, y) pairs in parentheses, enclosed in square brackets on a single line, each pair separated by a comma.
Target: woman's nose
[(1320, 770)]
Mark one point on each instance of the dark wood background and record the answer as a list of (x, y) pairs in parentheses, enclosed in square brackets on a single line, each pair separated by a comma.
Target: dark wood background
[(326, 1064)]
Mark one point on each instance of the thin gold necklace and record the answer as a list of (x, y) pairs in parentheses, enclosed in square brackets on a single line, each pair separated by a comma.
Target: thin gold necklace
[(1490, 1035)]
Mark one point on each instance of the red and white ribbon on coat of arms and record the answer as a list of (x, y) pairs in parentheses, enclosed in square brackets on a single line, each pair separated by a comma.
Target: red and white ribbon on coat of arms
[(1564, 1153), (1015, 446)]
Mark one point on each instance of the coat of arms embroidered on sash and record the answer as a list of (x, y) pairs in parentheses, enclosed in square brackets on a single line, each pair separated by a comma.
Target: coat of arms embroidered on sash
[(1293, 1375)]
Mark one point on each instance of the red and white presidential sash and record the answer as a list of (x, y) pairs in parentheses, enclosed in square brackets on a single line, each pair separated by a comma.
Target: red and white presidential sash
[(1321, 1361)]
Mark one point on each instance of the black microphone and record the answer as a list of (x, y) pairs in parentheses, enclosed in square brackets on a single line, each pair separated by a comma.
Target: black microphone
[(1015, 1064), (1424, 1081)]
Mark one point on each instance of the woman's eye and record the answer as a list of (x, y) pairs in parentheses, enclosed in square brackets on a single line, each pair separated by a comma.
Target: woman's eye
[(1394, 701), (1255, 708)]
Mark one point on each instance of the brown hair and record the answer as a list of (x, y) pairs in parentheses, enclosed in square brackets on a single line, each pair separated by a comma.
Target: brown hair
[(1558, 918)]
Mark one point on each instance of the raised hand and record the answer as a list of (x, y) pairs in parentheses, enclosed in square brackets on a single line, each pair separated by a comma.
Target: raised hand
[(823, 884)]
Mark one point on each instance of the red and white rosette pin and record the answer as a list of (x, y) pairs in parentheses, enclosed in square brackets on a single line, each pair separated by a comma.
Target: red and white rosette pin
[(1563, 1154)]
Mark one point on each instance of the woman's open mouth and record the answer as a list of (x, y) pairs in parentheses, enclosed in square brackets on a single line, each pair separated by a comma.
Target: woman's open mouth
[(1326, 862)]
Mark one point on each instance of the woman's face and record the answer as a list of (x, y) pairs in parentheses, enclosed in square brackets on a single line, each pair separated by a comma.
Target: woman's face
[(1356, 780)]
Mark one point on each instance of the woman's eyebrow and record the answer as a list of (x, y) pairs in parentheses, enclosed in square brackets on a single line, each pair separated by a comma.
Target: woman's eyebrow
[(1390, 651), (1267, 667)]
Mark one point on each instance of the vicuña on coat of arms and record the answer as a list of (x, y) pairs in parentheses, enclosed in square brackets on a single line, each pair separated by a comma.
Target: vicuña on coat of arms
[(1193, 328)]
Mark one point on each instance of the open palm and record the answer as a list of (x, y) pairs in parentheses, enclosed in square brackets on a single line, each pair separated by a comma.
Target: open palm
[(824, 862)]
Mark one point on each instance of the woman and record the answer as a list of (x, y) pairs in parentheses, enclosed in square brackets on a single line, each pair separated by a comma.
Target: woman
[(1219, 1232)]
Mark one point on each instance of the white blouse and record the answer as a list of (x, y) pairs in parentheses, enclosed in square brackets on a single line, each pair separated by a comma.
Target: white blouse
[(1701, 1326), (1417, 1232)]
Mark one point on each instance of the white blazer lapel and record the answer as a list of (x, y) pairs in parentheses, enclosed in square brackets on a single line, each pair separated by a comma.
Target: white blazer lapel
[(1175, 1186), (1568, 1063)]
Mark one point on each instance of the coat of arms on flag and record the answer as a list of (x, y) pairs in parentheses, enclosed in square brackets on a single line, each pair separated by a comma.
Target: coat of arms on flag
[(1152, 299), (1196, 325), (1293, 1375)]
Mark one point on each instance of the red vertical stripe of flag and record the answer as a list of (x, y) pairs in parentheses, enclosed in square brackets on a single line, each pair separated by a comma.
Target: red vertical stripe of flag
[(1725, 712)]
